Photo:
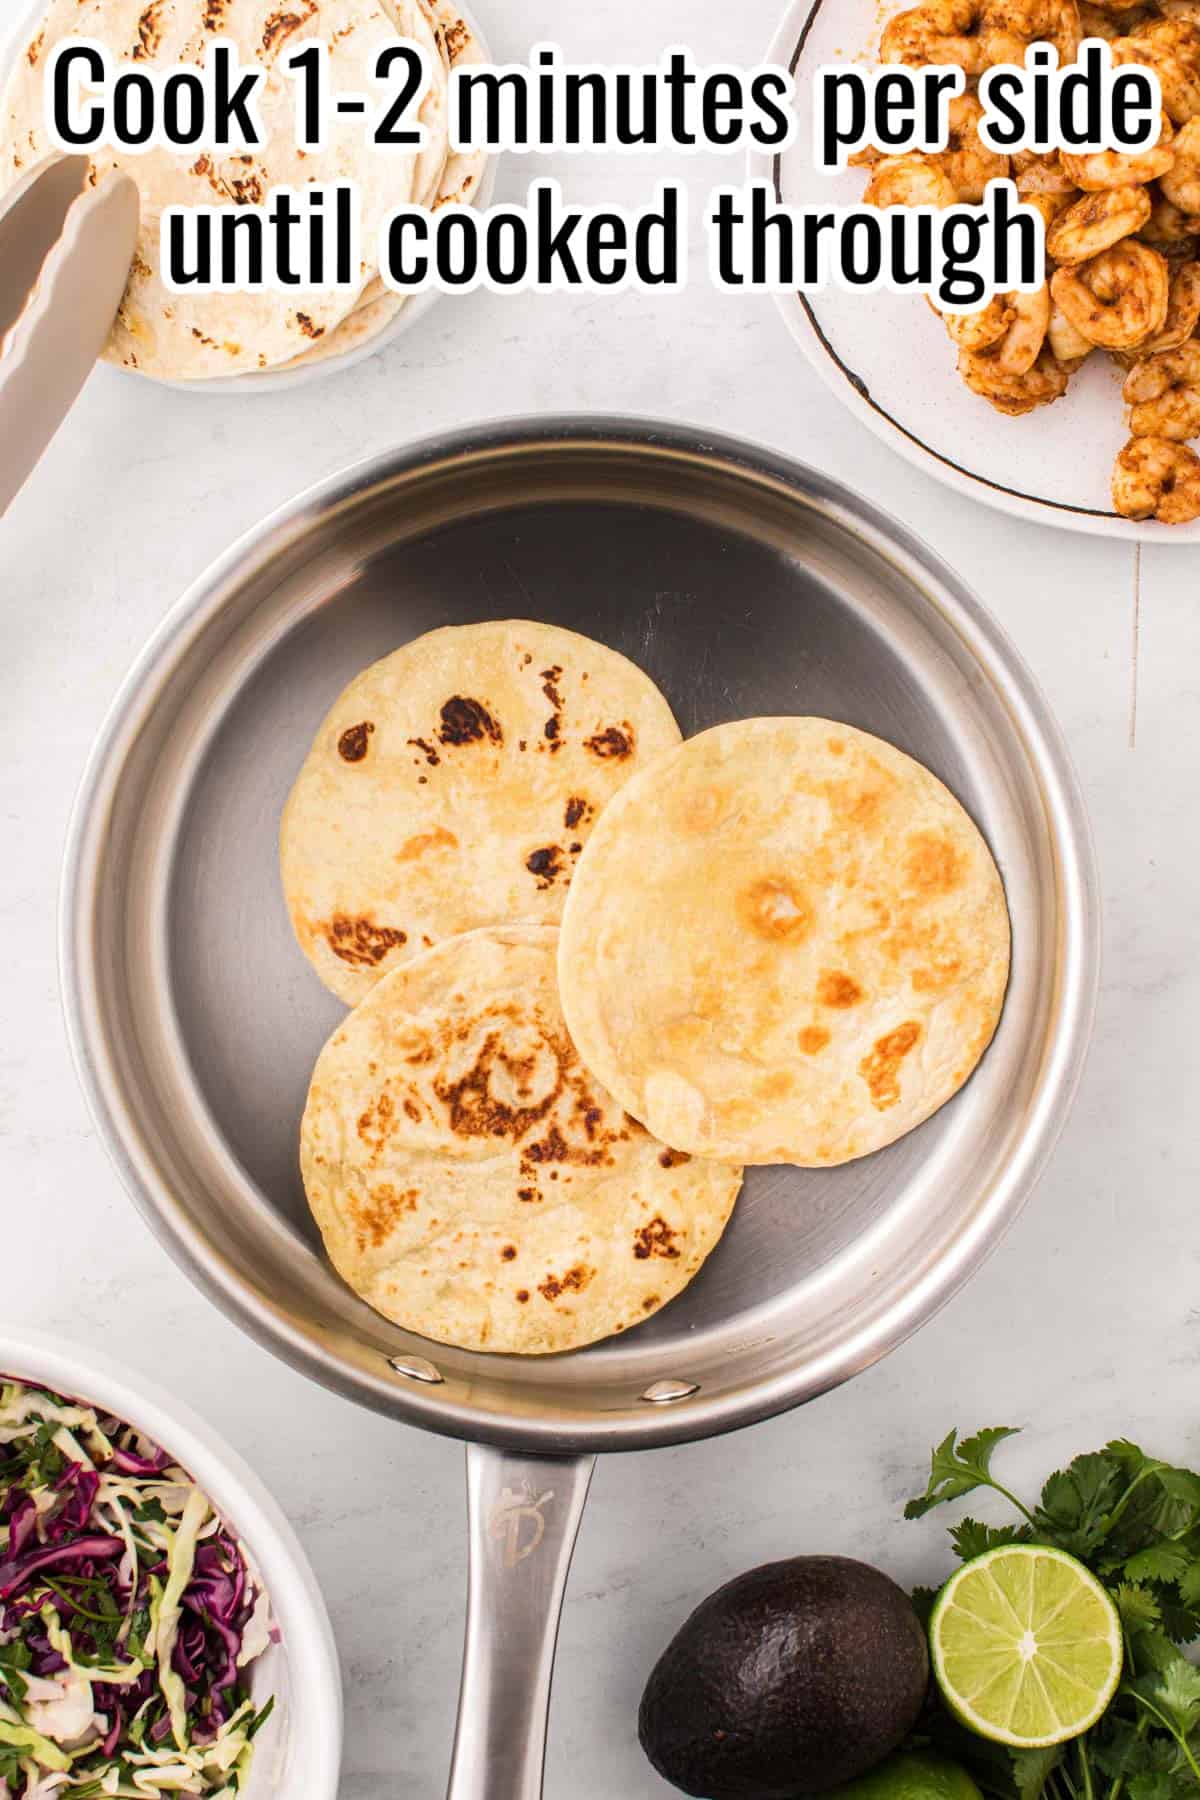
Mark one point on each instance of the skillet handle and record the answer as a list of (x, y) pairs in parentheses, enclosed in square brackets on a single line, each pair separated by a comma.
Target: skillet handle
[(523, 1515)]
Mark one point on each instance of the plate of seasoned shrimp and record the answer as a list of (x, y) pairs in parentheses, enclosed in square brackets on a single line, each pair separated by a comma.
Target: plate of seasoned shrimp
[(1077, 405)]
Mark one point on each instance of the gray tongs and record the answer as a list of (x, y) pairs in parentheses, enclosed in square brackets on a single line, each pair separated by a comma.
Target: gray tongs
[(65, 251)]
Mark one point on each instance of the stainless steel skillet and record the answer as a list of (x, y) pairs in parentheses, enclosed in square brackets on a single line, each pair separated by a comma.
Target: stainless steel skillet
[(743, 584)]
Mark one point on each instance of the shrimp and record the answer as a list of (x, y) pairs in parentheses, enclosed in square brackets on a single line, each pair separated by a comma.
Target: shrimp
[(1012, 25), (1169, 230), (1098, 21), (914, 180), (1051, 206), (1183, 312), (1096, 223), (978, 331), (1155, 478), (940, 31), (1181, 184), (966, 160), (1099, 169), (1041, 174), (1164, 395), (1069, 347), (1171, 47), (1041, 385), (1028, 317), (1118, 298)]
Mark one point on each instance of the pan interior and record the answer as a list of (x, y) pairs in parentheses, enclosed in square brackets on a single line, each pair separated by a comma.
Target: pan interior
[(738, 595)]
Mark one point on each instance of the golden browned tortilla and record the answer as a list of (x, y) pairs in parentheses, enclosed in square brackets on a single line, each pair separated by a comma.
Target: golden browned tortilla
[(785, 942), (453, 785), (473, 1182)]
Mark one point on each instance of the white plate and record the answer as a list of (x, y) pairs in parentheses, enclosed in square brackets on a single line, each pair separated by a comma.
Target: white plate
[(886, 356), (13, 34), (298, 1753)]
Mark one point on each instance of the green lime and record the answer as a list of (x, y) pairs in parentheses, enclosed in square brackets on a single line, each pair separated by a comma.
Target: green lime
[(911, 1775), (1026, 1646)]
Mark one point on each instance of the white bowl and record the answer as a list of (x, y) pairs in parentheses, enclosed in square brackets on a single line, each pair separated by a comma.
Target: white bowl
[(298, 1753), (886, 356), (13, 33)]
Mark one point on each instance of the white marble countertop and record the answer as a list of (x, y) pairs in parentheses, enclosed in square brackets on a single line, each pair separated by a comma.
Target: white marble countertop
[(1084, 1324)]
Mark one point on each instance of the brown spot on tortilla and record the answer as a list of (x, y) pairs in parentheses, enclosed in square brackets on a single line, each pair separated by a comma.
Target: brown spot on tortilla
[(306, 325), (375, 1125), (437, 839), (427, 751), (149, 32), (352, 745), (546, 864), (655, 1239), (774, 908), (281, 25), (527, 1194), (813, 1039), (577, 808), (476, 1112), (214, 14), (466, 721), (836, 746), (361, 942), (456, 39), (932, 865), (573, 1282), (836, 988), (650, 1302), (671, 1159), (508, 1252), (615, 742), (376, 1218), (522, 1295), (881, 1068), (550, 685), (35, 49)]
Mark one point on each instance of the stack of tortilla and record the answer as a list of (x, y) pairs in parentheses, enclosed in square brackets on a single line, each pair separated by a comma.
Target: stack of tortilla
[(185, 336), (782, 941)]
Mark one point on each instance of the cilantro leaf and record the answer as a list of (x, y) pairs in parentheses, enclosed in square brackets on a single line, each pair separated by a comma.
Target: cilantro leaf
[(958, 1468), (1163, 1561), (971, 1539)]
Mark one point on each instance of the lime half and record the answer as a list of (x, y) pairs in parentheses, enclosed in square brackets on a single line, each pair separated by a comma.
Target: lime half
[(1026, 1646)]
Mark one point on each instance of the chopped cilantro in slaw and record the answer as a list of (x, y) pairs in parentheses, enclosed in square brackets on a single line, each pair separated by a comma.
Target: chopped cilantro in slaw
[(129, 1618)]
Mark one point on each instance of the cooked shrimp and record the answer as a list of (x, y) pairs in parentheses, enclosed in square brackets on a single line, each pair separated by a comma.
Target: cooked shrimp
[(966, 160), (977, 331), (1036, 21), (1038, 173), (1025, 332), (1014, 394), (940, 31), (1098, 21), (1114, 168), (1183, 312), (1171, 47), (1118, 298), (1096, 223), (914, 180), (1051, 206), (1181, 184), (1164, 395), (1155, 478), (1069, 346), (1169, 230)]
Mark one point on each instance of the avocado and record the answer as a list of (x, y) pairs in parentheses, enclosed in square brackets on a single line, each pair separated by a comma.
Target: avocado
[(788, 1680)]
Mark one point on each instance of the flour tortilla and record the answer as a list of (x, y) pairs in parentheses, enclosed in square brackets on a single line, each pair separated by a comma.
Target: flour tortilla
[(186, 336), (453, 785), (470, 1179), (785, 942), (458, 185)]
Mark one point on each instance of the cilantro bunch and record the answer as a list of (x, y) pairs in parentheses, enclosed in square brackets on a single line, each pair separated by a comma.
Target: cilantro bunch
[(1135, 1522)]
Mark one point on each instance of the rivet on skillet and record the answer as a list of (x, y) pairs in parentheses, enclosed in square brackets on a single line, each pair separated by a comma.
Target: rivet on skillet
[(416, 1368), (662, 1393)]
